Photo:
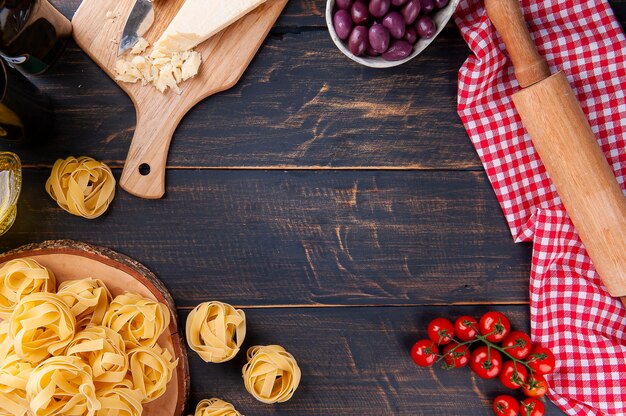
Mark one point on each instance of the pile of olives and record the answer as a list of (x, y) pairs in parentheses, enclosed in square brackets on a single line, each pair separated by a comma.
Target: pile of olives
[(387, 28)]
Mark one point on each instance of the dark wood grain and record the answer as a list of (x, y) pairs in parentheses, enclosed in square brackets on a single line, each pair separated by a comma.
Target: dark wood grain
[(301, 104), (304, 237), (355, 361)]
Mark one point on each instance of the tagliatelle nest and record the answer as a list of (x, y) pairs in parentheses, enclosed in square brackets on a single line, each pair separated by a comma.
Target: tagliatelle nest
[(81, 186), (105, 352), (216, 330), (215, 407), (88, 300), (62, 386), (151, 369), (14, 374), (41, 325), (19, 278), (138, 320), (272, 374), (120, 400)]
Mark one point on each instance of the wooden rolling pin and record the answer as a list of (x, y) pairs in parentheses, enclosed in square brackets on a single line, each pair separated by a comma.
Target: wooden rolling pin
[(568, 148)]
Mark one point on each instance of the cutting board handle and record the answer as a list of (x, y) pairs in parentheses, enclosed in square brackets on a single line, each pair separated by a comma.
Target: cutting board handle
[(506, 16), (144, 170)]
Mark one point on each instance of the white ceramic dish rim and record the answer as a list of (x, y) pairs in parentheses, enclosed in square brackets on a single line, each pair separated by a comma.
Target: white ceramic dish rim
[(441, 17)]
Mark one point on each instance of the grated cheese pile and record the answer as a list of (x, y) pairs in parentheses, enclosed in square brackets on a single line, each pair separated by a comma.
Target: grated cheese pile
[(161, 69)]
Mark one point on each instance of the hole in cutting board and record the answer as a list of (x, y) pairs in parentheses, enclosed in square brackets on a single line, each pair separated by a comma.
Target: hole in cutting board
[(144, 169)]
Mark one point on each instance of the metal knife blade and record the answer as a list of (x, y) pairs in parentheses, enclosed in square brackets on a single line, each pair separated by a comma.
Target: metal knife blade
[(139, 21)]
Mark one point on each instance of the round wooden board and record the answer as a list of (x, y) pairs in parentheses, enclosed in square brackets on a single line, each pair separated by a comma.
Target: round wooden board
[(73, 260)]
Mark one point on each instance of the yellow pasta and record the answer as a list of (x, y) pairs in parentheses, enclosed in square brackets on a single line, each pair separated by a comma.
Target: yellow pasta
[(119, 399), (62, 386), (6, 343), (41, 325), (216, 330), (215, 407), (151, 369), (140, 321), (104, 350), (271, 375), (19, 278), (78, 352), (88, 300), (14, 374), (81, 186)]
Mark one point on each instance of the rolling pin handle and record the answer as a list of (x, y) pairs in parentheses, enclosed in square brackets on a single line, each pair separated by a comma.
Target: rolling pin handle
[(506, 16)]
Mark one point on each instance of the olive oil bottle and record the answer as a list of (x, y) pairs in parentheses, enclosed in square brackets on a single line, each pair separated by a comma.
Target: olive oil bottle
[(33, 34), (10, 186)]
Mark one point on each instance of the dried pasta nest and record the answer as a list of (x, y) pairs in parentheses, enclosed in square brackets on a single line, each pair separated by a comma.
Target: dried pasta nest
[(138, 320), (41, 325), (151, 369), (105, 352), (81, 186), (62, 386), (215, 407), (14, 374), (19, 278), (88, 300), (216, 330), (272, 374), (120, 399)]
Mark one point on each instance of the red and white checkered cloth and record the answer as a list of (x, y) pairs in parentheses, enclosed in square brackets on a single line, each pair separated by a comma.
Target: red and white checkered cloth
[(571, 311)]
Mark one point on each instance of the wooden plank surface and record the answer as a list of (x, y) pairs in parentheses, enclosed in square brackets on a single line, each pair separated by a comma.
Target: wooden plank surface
[(317, 194), (356, 361), (305, 237)]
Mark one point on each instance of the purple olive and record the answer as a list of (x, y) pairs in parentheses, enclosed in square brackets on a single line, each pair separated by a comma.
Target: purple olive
[(398, 2), (343, 24), (371, 52), (358, 40), (379, 8), (395, 24), (360, 13), (378, 36), (399, 49), (411, 10), (410, 35), (343, 4), (426, 27), (427, 5), (440, 4)]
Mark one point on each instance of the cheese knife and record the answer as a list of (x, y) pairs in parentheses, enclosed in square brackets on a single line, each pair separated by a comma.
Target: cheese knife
[(140, 19), (568, 149)]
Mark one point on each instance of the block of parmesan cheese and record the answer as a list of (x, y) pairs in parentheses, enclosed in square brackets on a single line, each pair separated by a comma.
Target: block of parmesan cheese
[(198, 20)]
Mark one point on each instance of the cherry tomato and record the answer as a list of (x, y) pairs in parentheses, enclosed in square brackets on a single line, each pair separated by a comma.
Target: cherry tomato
[(455, 355), (541, 360), (466, 328), (532, 407), (485, 362), (494, 326), (536, 386), (505, 405), (441, 331), (424, 353), (517, 344), (513, 375)]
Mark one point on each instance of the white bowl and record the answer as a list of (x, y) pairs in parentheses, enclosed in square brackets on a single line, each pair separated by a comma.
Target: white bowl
[(441, 18)]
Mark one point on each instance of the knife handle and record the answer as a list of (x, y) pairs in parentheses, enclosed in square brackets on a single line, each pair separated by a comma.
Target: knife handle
[(506, 16)]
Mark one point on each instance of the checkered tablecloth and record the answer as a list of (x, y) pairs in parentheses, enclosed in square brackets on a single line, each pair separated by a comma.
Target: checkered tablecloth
[(571, 311)]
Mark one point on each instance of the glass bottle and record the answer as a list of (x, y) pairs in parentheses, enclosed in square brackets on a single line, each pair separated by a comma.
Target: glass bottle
[(10, 187), (33, 34)]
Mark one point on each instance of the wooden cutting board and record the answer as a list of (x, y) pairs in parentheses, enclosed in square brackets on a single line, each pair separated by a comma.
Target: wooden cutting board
[(71, 260), (225, 57)]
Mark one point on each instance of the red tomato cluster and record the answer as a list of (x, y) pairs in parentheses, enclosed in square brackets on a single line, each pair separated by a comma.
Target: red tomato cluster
[(510, 356)]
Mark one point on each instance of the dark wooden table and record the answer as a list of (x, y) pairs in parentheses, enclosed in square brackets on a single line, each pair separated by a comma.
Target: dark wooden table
[(341, 207)]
